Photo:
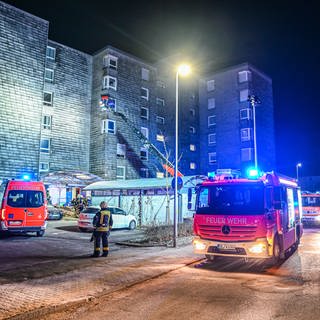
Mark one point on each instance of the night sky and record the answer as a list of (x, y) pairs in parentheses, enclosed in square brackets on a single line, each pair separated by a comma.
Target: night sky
[(281, 38)]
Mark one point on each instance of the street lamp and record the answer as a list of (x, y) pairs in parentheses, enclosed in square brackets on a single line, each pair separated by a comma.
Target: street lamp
[(182, 70), (298, 165), (254, 100)]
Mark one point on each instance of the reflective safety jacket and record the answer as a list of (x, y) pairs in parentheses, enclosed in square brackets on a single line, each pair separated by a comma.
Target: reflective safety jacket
[(102, 221)]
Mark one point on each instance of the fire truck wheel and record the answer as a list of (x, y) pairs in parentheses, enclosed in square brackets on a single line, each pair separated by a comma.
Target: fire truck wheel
[(276, 251), (40, 233)]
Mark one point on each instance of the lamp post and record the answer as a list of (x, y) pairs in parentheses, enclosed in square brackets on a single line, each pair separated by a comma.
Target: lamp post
[(254, 100), (298, 165), (182, 70)]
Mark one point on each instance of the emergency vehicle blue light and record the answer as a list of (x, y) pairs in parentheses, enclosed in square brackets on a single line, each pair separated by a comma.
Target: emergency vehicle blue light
[(26, 177), (253, 173), (211, 174)]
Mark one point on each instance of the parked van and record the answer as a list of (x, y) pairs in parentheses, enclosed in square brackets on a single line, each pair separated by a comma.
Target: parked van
[(23, 207)]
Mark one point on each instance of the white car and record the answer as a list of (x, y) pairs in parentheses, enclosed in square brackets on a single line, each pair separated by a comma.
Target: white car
[(121, 219)]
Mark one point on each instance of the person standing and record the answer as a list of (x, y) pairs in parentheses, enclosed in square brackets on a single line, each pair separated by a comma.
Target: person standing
[(102, 223)]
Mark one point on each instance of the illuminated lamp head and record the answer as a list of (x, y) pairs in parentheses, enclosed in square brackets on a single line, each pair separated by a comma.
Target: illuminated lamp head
[(26, 177), (253, 173)]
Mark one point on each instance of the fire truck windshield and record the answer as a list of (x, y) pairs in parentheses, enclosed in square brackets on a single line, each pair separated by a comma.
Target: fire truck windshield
[(231, 199)]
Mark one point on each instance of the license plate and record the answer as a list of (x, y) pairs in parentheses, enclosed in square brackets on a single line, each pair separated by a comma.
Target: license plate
[(15, 223), (225, 246)]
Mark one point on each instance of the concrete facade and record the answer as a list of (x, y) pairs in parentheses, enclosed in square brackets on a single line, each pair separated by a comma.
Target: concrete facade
[(51, 119)]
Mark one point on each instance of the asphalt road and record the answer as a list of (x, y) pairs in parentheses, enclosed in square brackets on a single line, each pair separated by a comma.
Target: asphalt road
[(226, 289)]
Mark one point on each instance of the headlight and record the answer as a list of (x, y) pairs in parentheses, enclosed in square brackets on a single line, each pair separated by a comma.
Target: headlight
[(258, 248), (317, 218), (199, 245)]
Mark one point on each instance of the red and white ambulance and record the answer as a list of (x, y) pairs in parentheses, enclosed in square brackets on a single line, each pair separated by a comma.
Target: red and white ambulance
[(247, 217), (23, 207)]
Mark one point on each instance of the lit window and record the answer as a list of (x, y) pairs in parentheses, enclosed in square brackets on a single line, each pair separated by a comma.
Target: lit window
[(211, 121), (46, 122), (48, 75), (121, 150), (43, 166), (210, 85), (192, 147), (121, 172), (211, 103), (160, 175), (244, 95), (109, 82), (212, 157), (246, 154), (110, 61), (192, 112), (212, 138), (144, 113), (145, 132), (143, 154), (144, 173), (51, 53), (245, 114), (45, 145), (160, 137), (192, 165), (108, 126), (244, 76), (145, 74), (160, 102), (144, 93), (112, 103), (245, 134), (192, 129), (47, 98), (159, 120)]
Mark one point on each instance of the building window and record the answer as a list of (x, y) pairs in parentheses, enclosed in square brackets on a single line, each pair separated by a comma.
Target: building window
[(145, 74), (192, 147), (108, 126), (47, 98), (159, 120), (192, 129), (245, 114), (48, 75), (45, 145), (121, 150), (121, 173), (112, 104), (210, 85), (192, 165), (110, 61), (246, 134), (43, 166), (211, 103), (145, 132), (244, 76), (212, 157), (192, 112), (160, 102), (160, 175), (143, 154), (109, 82), (212, 138), (160, 137), (144, 93), (244, 95), (46, 122), (51, 53), (211, 121), (144, 113), (144, 173), (246, 154)]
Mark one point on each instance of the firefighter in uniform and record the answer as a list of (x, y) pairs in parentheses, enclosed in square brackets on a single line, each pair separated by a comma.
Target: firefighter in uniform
[(102, 223)]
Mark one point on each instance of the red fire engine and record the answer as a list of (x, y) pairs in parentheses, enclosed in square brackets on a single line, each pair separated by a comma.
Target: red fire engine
[(248, 218)]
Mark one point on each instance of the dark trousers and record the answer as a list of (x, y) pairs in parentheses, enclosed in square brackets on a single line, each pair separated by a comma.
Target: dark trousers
[(98, 237)]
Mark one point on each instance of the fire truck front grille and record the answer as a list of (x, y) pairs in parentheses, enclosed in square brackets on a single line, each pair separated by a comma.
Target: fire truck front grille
[(236, 233)]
